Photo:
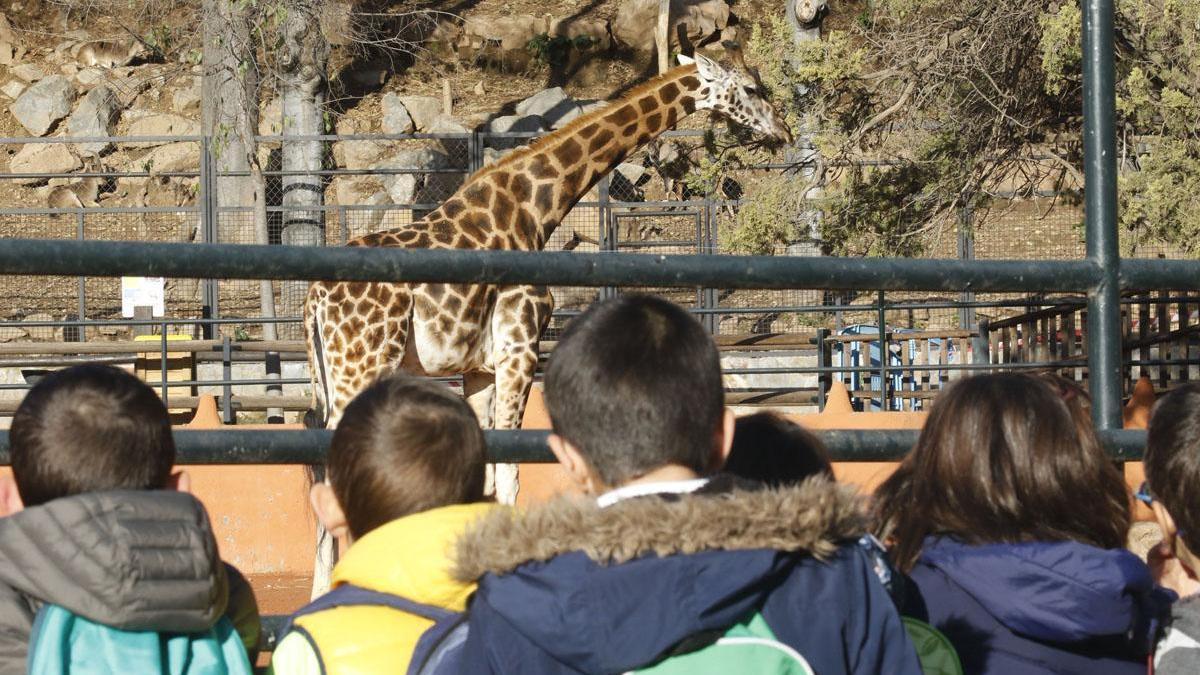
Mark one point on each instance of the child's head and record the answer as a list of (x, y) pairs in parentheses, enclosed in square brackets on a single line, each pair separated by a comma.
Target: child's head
[(634, 386), (89, 428), (1172, 463), (771, 449), (1004, 459), (403, 446)]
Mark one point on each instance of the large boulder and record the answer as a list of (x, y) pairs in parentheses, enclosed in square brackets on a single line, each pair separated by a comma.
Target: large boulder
[(395, 118), (96, 115), (409, 187), (43, 104), (164, 124), (171, 157), (510, 33), (422, 109), (188, 96), (13, 88), (513, 124), (636, 19), (28, 72), (43, 158)]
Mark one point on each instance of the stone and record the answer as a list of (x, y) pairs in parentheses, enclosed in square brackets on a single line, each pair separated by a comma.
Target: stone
[(542, 102), (479, 89), (164, 124), (422, 109), (13, 88), (509, 33), (636, 20), (358, 155), (517, 123), (43, 158), (445, 124), (405, 188), (350, 190), (171, 157), (632, 172), (89, 77), (187, 96), (27, 72), (95, 116), (395, 118), (43, 104), (8, 42)]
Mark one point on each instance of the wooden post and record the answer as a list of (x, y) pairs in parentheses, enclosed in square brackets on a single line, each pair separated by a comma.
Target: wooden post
[(447, 98), (662, 36)]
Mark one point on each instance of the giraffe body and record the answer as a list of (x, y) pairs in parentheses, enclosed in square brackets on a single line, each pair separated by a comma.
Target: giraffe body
[(359, 331)]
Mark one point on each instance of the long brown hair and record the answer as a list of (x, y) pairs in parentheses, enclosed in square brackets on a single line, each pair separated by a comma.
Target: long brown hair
[(1003, 459)]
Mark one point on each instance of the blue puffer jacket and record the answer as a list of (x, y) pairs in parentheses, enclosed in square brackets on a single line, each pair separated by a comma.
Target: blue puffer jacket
[(569, 587), (1060, 607)]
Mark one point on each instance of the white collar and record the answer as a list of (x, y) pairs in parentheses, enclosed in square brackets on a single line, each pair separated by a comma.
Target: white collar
[(642, 489)]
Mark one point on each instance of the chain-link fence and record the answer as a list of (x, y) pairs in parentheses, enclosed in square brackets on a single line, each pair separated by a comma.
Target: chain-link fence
[(173, 189)]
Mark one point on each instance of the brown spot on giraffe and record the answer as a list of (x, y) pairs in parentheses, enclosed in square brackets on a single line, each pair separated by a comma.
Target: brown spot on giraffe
[(622, 116), (652, 121), (522, 188), (669, 92), (647, 104), (544, 197), (568, 152)]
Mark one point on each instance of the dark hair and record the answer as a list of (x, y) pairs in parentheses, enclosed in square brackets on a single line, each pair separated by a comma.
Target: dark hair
[(1172, 457), (403, 446), (1003, 459), (86, 429), (771, 449), (635, 384)]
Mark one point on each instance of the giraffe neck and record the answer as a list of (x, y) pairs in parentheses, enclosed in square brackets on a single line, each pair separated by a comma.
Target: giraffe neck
[(560, 168)]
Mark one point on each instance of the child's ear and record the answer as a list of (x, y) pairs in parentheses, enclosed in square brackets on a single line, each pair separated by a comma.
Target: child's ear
[(10, 496), (723, 442), (575, 465), (1165, 522), (180, 481), (328, 510)]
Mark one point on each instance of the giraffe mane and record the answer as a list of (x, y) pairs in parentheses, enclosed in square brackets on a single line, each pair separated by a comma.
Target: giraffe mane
[(542, 142)]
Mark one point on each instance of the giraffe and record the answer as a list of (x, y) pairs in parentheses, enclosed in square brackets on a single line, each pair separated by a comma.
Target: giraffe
[(357, 331)]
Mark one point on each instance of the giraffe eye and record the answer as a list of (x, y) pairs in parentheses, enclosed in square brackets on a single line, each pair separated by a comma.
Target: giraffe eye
[(750, 91)]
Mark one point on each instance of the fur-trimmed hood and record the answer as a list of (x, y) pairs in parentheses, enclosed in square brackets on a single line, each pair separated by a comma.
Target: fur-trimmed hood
[(813, 518), (569, 587)]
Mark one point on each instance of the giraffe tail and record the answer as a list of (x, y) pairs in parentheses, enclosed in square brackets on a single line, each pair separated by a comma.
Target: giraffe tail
[(318, 414)]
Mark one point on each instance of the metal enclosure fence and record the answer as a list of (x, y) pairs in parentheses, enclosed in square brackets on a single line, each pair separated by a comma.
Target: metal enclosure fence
[(1102, 275)]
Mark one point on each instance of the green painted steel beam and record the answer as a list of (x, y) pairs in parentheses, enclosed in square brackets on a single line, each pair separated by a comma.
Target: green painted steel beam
[(229, 261)]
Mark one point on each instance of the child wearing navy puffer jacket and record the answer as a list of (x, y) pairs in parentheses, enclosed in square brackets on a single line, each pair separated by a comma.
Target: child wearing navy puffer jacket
[(1010, 520)]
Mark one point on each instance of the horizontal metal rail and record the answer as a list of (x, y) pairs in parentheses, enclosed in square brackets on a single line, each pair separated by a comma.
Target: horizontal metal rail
[(309, 447), (227, 261)]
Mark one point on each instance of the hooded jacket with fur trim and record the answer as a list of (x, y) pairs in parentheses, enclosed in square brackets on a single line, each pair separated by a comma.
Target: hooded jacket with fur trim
[(569, 587)]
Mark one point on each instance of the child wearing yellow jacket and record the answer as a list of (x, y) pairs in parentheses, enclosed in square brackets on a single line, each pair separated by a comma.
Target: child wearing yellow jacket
[(405, 478)]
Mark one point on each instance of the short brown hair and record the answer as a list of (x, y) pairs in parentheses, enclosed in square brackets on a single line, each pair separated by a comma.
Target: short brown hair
[(771, 449), (403, 446), (1003, 459), (1172, 458), (86, 429), (635, 384)]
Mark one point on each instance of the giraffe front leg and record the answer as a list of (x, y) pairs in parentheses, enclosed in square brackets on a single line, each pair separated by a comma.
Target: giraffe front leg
[(514, 377)]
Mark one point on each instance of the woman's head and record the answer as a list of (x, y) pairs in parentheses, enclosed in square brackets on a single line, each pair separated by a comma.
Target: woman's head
[(1004, 458)]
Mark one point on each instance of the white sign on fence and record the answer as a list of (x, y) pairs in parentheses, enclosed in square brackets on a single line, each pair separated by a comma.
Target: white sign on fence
[(141, 291)]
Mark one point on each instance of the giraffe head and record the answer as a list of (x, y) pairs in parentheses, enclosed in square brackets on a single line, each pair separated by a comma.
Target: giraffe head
[(736, 94)]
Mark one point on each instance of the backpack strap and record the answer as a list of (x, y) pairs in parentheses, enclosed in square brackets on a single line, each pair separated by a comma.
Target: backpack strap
[(351, 595)]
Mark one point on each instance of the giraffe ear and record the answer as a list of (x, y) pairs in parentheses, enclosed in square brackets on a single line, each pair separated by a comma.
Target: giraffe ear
[(709, 70), (685, 60)]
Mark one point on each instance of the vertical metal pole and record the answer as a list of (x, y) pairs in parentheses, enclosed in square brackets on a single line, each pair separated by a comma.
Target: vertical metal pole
[(884, 353), (966, 251), (1100, 187), (823, 377), (608, 228), (208, 228), (79, 234), (163, 364), (227, 375)]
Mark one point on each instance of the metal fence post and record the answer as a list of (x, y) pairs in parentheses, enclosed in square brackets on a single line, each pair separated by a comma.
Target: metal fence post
[(966, 251), (227, 414), (80, 235), (980, 344), (1100, 213), (825, 377), (608, 228), (210, 294), (884, 354)]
